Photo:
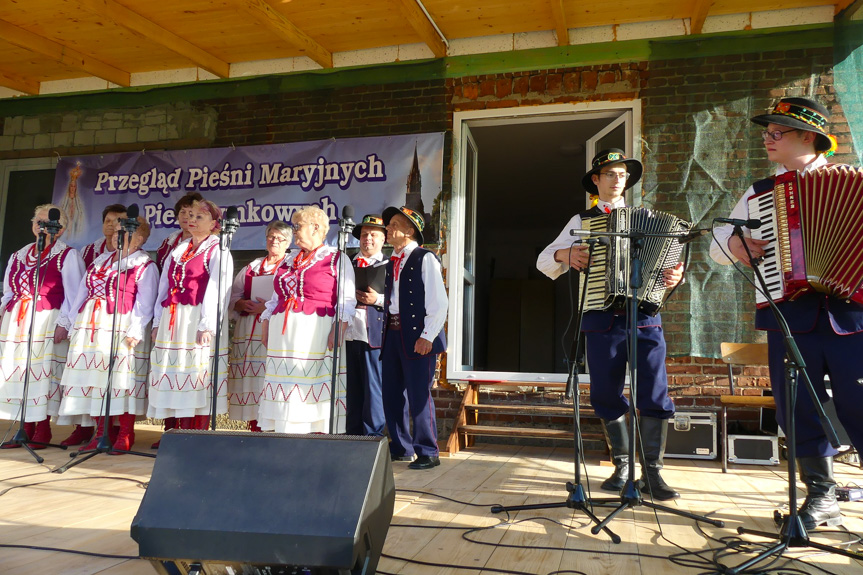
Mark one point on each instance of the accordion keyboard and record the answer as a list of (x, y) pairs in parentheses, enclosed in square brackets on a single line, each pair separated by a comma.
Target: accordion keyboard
[(762, 207), (597, 289)]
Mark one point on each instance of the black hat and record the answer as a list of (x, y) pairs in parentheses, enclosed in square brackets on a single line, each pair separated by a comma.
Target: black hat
[(800, 114), (415, 218), (371, 221), (609, 157)]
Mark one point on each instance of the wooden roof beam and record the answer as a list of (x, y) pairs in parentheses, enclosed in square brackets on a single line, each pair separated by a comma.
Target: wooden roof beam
[(18, 83), (276, 23), (422, 24), (62, 53), (700, 9), (148, 29), (842, 5), (560, 24)]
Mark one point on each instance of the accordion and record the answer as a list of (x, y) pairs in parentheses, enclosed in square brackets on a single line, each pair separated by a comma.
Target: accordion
[(814, 222), (608, 281)]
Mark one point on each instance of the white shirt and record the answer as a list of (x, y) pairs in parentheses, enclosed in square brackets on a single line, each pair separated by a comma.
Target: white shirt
[(357, 330), (436, 301), (238, 288), (741, 211), (546, 262)]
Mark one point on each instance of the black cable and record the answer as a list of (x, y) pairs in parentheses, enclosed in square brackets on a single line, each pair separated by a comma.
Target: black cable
[(140, 483), (72, 551)]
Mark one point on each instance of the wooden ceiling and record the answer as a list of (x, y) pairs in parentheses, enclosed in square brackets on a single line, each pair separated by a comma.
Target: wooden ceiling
[(46, 40)]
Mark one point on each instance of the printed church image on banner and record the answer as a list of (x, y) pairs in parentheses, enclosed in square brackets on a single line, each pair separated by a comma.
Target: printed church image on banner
[(414, 199)]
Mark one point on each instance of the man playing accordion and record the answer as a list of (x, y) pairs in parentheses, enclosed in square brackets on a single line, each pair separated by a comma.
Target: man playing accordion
[(828, 330), (605, 332)]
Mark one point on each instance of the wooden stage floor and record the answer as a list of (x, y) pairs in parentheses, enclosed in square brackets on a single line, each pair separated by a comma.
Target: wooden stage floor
[(90, 508)]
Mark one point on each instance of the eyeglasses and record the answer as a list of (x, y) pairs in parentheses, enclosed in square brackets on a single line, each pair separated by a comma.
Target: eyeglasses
[(296, 227), (277, 239), (776, 134), (612, 176)]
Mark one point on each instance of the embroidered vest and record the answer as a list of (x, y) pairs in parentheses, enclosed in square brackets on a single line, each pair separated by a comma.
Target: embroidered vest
[(168, 246), (412, 306), (310, 289), (101, 284), (21, 278), (92, 251), (187, 281)]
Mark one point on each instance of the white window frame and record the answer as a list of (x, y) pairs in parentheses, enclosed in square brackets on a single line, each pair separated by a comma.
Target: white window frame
[(455, 236)]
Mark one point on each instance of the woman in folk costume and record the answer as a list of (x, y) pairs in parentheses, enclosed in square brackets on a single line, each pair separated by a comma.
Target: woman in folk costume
[(86, 376), (182, 211), (248, 353), (298, 328), (184, 325), (59, 276)]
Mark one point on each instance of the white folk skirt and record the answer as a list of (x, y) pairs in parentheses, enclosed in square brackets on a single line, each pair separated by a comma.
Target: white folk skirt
[(247, 367), (296, 397), (86, 375), (46, 363), (180, 383)]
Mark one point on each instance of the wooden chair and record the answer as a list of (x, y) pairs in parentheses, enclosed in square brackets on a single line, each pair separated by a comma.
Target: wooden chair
[(740, 354)]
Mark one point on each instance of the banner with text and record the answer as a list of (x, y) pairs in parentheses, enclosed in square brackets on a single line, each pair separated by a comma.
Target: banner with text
[(266, 183)]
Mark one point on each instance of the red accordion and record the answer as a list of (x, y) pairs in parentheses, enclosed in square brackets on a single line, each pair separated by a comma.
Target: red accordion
[(814, 221)]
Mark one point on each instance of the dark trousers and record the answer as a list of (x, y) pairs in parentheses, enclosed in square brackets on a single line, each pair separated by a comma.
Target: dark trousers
[(824, 352), (407, 397), (365, 408), (607, 360)]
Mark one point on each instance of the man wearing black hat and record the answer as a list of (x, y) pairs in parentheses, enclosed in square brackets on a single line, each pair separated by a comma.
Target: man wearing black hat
[(828, 331), (612, 173), (363, 404), (416, 306)]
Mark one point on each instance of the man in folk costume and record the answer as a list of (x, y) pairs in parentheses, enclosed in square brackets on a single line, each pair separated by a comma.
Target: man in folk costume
[(365, 410), (828, 331), (611, 174), (416, 306)]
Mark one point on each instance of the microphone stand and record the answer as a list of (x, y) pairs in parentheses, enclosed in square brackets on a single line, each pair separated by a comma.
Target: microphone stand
[(792, 532), (226, 237), (576, 499), (630, 495), (21, 438), (346, 226), (104, 444)]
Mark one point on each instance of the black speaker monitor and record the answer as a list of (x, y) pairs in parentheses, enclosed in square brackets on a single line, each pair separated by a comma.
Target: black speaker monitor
[(240, 502)]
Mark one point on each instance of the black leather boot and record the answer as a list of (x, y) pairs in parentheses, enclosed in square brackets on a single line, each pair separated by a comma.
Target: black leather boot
[(654, 433), (618, 441), (820, 506)]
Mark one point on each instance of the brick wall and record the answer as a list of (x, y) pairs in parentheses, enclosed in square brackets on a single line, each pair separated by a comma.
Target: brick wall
[(538, 87), (377, 110)]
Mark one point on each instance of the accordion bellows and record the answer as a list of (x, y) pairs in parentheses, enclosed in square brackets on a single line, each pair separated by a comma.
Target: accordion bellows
[(610, 267), (814, 221)]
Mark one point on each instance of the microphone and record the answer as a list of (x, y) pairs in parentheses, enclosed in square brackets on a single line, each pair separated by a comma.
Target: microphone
[(52, 226), (130, 222), (602, 241), (692, 236), (752, 224), (347, 221), (231, 220)]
